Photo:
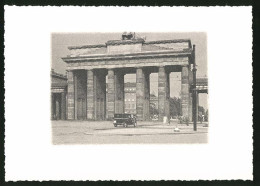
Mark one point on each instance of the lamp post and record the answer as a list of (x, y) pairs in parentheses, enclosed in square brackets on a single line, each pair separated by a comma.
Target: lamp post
[(194, 92)]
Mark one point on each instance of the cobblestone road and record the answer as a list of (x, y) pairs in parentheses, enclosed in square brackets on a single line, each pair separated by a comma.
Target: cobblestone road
[(103, 132)]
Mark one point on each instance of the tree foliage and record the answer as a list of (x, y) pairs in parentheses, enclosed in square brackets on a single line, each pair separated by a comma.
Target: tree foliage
[(175, 106), (153, 109), (202, 110)]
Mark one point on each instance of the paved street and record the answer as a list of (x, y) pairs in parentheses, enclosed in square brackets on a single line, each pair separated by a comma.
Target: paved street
[(103, 132)]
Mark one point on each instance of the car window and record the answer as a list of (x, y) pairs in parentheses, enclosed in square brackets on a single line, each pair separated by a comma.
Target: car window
[(117, 115)]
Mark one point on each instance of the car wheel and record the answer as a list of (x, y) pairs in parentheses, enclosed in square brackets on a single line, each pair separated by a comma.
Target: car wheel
[(115, 125)]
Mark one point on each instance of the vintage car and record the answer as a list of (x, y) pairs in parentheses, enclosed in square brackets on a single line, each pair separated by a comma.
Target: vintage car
[(125, 120)]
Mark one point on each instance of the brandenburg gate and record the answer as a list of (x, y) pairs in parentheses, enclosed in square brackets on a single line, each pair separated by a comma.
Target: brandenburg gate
[(88, 66)]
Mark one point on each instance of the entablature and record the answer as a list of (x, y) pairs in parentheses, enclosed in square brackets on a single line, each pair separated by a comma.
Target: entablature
[(139, 55), (130, 63)]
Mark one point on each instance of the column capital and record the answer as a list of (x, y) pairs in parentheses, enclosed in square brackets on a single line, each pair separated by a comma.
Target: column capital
[(161, 67)]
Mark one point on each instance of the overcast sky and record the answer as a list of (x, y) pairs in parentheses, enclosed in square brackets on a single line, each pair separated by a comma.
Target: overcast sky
[(61, 41)]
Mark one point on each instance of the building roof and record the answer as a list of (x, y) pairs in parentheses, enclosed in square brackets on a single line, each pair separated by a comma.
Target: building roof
[(169, 41), (58, 75), (61, 82), (87, 46), (124, 42), (59, 85), (152, 95), (130, 84), (152, 47), (202, 80)]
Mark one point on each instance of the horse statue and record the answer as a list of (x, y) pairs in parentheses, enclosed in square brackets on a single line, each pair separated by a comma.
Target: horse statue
[(128, 35)]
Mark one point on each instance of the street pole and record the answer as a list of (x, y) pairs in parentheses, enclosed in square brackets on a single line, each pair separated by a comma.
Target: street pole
[(194, 92)]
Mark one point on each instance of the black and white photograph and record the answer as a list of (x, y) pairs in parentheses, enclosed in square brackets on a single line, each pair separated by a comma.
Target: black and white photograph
[(129, 88), (128, 93)]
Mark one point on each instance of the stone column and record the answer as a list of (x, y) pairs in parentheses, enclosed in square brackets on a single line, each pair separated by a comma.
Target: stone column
[(167, 101), (71, 96), (110, 94), (52, 106), (140, 94), (163, 93), (66, 108), (185, 91), (90, 95), (63, 106), (190, 107), (76, 95), (95, 96), (190, 93), (119, 92), (197, 114), (146, 108), (57, 103)]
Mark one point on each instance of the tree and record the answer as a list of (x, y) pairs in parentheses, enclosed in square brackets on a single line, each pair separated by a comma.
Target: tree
[(202, 110), (153, 109), (207, 115), (175, 106)]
